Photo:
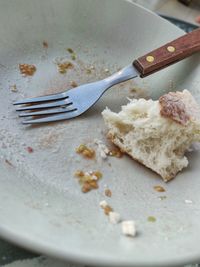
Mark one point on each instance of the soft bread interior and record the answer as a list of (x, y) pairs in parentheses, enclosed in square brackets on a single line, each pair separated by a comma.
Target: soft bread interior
[(156, 141)]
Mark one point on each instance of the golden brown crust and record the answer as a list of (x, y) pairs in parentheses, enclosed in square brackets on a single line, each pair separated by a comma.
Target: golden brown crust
[(180, 107), (173, 107)]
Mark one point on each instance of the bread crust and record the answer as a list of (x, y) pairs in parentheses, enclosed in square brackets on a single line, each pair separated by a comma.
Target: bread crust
[(180, 107)]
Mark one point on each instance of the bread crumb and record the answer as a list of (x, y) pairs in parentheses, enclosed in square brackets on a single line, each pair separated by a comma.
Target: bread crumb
[(85, 151), (116, 152), (128, 228), (108, 209), (88, 180), (64, 66), (27, 69), (114, 217), (102, 149), (103, 204), (108, 192), (159, 188)]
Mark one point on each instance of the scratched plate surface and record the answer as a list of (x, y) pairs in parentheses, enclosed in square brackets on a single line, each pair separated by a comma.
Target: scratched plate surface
[(41, 205)]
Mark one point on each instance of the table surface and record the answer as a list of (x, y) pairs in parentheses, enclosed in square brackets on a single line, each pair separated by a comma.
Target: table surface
[(12, 256)]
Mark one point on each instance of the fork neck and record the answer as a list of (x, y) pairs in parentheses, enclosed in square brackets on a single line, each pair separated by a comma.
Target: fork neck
[(124, 74)]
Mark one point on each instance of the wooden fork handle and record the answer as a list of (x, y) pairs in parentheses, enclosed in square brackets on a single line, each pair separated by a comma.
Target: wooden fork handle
[(169, 53)]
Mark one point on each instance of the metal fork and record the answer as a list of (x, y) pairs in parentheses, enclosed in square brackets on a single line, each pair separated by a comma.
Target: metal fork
[(74, 102), (71, 103)]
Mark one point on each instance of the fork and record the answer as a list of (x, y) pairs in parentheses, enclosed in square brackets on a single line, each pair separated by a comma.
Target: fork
[(76, 101)]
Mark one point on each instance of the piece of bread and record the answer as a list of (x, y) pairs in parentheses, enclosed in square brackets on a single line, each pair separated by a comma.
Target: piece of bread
[(157, 133)]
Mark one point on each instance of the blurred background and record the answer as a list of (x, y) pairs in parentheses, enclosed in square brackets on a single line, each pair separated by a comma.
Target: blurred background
[(183, 13)]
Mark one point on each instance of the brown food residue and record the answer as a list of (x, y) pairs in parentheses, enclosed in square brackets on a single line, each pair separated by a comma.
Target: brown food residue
[(45, 44), (86, 151), (27, 69), (70, 50), (173, 107), (107, 209), (115, 153), (8, 162), (88, 180), (29, 149), (108, 192), (159, 188), (89, 69), (64, 66), (73, 84)]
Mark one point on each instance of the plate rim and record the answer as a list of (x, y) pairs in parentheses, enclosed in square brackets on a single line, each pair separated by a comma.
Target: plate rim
[(76, 258)]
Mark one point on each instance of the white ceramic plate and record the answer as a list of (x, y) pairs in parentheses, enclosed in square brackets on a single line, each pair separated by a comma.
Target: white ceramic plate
[(41, 206)]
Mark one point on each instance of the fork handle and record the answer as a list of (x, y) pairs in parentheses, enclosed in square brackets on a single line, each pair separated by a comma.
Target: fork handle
[(169, 53)]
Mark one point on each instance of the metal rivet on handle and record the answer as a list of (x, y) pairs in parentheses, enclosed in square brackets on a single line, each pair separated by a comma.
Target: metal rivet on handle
[(171, 49), (150, 59)]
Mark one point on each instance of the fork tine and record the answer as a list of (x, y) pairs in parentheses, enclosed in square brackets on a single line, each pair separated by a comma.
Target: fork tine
[(47, 112), (64, 116), (41, 99), (46, 105)]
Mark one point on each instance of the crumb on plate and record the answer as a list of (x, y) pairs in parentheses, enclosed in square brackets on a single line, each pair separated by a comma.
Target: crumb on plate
[(102, 149), (8, 162), (27, 69), (106, 207), (108, 192), (114, 217), (103, 204), (88, 180), (128, 228), (70, 50), (73, 84), (45, 44), (159, 188), (116, 153), (64, 66), (85, 151)]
